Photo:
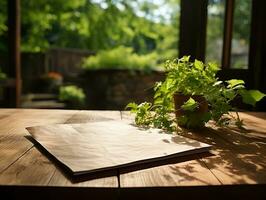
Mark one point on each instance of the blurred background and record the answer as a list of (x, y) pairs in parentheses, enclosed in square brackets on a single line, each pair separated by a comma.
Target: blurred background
[(102, 54)]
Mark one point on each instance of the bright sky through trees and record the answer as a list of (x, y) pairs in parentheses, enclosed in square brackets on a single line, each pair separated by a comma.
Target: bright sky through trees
[(160, 10)]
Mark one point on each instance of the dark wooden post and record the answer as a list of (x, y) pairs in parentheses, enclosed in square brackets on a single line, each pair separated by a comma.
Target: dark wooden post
[(257, 52), (193, 24), (14, 51), (228, 31)]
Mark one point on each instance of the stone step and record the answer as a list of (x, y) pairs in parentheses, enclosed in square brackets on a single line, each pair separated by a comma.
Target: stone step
[(39, 96), (48, 104)]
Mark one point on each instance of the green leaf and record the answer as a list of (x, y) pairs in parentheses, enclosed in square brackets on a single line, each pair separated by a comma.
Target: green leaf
[(190, 105), (198, 64), (251, 96), (182, 120), (217, 83), (234, 82), (213, 66), (158, 101), (157, 85), (132, 105), (185, 58), (239, 87), (145, 105), (229, 93)]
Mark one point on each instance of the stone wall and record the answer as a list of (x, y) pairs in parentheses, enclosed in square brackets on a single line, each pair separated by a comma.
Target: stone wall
[(66, 61), (114, 89)]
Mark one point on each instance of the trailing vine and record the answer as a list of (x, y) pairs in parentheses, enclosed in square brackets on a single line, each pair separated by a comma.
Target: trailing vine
[(192, 78)]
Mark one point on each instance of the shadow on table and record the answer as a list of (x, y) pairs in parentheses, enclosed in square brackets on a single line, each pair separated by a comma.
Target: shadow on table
[(240, 156), (75, 178)]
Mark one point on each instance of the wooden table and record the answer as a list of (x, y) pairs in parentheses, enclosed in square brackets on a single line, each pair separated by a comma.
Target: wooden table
[(236, 168)]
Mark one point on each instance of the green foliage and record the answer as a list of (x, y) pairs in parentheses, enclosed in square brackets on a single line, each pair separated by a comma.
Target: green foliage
[(89, 25), (251, 96), (235, 82), (192, 78), (47, 23), (193, 120), (3, 16), (242, 20), (143, 114), (190, 105), (2, 75), (3, 26), (241, 31), (120, 58), (72, 95)]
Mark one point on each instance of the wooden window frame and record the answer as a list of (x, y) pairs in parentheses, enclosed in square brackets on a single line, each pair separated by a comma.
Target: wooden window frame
[(228, 33), (13, 94), (194, 14)]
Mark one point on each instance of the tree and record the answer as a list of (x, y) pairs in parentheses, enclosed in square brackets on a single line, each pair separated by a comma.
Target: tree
[(3, 25), (96, 25)]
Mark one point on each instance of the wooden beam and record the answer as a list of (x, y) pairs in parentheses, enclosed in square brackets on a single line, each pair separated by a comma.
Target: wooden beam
[(228, 31), (14, 69), (193, 23)]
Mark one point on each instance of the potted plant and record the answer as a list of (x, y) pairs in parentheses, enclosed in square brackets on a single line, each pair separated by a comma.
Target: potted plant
[(192, 91), (50, 82)]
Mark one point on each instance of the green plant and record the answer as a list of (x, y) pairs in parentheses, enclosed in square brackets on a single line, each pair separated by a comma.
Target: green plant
[(2, 75), (192, 78), (73, 95), (120, 58)]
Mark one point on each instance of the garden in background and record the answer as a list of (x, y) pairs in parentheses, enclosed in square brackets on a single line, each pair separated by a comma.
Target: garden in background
[(101, 54)]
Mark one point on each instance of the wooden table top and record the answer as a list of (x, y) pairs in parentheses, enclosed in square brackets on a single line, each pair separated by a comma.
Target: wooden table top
[(238, 158)]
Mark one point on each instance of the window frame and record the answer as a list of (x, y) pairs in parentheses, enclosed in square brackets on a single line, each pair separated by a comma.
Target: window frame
[(228, 34)]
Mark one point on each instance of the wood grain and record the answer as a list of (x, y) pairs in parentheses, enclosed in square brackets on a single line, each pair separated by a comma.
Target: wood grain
[(30, 169), (182, 174), (60, 179), (13, 144), (193, 172), (243, 159), (23, 164), (239, 158), (239, 154), (34, 168)]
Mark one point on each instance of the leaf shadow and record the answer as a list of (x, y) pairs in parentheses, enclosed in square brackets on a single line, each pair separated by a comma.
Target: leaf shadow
[(239, 157)]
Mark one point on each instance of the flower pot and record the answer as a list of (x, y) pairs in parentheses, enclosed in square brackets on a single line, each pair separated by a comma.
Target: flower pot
[(191, 119)]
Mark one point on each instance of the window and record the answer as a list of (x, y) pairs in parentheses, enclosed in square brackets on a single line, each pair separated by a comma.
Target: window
[(228, 33), (241, 34), (215, 24)]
